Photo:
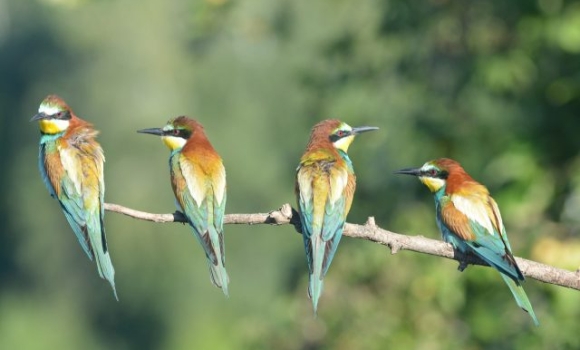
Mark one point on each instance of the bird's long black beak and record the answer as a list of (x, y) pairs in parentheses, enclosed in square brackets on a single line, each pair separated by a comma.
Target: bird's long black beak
[(152, 131), (409, 171), (39, 116), (361, 129)]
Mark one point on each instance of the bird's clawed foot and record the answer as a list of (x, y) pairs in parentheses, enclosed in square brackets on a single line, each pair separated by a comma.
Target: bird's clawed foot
[(295, 220), (179, 217), (463, 259)]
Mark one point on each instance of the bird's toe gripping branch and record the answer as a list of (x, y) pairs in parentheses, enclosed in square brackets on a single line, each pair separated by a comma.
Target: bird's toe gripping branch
[(294, 218), (462, 265), (467, 258), (179, 217)]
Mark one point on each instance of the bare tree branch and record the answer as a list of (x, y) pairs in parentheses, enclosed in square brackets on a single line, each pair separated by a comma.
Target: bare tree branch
[(370, 231)]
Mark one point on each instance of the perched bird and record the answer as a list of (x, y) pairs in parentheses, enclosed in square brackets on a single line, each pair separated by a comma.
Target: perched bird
[(469, 218), (198, 178), (325, 184), (71, 165)]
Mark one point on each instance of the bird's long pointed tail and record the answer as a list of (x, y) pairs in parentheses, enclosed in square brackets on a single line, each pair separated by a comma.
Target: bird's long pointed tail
[(218, 273), (219, 276), (521, 297), (315, 282), (100, 247), (106, 269)]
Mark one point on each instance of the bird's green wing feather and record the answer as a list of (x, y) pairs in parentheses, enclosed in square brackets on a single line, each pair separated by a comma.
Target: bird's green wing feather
[(493, 250), (197, 204), (470, 219), (335, 215), (321, 199), (202, 198), (72, 205)]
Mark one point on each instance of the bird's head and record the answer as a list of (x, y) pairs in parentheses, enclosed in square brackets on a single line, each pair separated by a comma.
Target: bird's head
[(435, 173), (176, 132), (339, 134), (53, 116)]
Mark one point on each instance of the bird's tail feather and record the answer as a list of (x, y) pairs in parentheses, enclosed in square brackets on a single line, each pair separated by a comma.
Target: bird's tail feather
[(101, 252), (80, 232), (521, 297), (219, 276), (315, 283), (218, 273)]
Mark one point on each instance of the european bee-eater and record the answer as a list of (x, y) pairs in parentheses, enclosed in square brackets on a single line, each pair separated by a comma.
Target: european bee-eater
[(325, 184), (469, 218), (198, 178), (71, 165)]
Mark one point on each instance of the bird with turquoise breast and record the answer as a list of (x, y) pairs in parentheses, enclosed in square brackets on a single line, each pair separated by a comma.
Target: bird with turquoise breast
[(469, 218), (198, 179), (71, 165), (325, 185)]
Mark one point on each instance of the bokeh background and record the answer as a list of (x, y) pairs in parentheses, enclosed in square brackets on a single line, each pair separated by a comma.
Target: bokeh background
[(494, 84)]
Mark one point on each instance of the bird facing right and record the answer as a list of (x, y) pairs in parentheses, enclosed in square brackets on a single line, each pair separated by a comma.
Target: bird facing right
[(325, 184), (469, 218)]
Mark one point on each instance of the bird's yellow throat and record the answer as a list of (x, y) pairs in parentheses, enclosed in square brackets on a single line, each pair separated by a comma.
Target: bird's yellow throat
[(343, 143), (173, 142), (434, 184), (53, 126)]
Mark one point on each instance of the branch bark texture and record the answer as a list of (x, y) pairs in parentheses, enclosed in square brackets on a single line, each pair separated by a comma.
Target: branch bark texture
[(370, 231)]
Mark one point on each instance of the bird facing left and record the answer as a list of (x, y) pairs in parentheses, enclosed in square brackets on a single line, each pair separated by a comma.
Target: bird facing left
[(71, 166), (198, 179), (469, 219)]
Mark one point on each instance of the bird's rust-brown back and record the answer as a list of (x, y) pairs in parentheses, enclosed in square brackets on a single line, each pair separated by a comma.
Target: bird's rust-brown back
[(202, 164)]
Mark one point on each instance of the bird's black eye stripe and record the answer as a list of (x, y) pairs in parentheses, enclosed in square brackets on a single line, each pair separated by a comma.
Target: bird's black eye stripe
[(439, 174), (338, 135), (62, 115), (183, 133), (171, 132)]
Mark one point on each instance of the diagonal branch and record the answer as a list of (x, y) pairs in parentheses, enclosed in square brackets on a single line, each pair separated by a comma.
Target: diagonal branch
[(370, 231)]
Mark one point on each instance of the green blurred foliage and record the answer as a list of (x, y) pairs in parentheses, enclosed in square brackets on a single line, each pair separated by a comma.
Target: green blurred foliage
[(493, 84)]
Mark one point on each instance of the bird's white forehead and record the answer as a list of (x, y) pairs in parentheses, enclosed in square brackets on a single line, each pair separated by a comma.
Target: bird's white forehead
[(428, 166), (168, 127), (48, 110)]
